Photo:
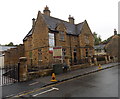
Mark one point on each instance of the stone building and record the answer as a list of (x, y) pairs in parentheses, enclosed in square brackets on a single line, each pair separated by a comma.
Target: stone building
[(11, 56), (100, 49), (2, 54), (76, 40), (112, 47)]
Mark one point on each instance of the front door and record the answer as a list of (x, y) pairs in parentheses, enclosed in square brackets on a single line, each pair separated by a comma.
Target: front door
[(75, 56), (86, 52)]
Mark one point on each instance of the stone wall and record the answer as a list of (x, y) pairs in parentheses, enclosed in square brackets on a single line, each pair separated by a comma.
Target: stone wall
[(12, 55), (112, 48), (86, 39), (28, 49), (40, 54)]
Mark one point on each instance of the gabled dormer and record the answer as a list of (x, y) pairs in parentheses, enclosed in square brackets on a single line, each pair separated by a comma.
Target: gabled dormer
[(62, 31)]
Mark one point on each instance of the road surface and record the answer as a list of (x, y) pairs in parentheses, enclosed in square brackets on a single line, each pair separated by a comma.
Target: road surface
[(99, 84)]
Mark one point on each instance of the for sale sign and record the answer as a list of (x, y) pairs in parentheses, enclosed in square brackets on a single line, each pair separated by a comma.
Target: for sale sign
[(57, 52)]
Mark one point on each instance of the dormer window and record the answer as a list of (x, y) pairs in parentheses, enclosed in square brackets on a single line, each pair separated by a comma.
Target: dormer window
[(62, 38)]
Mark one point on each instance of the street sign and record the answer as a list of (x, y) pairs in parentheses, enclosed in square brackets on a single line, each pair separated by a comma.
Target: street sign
[(57, 52)]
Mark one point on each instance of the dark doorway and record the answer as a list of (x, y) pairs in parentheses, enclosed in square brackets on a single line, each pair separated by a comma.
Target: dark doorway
[(75, 56), (86, 52)]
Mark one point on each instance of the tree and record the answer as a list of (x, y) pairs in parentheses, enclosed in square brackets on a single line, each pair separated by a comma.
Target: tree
[(10, 44), (108, 39), (97, 39)]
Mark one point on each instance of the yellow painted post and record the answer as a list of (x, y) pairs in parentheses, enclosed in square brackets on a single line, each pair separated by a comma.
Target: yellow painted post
[(99, 66)]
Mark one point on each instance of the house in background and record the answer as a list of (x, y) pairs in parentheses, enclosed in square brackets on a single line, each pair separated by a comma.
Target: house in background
[(76, 40), (109, 47), (100, 49), (2, 50), (112, 47)]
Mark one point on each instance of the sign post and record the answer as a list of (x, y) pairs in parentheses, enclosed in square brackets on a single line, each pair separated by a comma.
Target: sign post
[(57, 53)]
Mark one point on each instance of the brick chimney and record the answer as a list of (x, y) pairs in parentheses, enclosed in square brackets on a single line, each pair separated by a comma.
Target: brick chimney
[(115, 32), (71, 19), (46, 11), (33, 22)]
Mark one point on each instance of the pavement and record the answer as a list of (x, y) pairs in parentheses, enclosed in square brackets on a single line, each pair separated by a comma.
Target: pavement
[(16, 88), (98, 84), (73, 74)]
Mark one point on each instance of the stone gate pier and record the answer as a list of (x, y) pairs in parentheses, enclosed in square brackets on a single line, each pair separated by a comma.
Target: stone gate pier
[(23, 72)]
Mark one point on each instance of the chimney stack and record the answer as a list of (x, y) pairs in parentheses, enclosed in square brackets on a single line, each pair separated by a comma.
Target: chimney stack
[(46, 11), (115, 32), (33, 22), (71, 19)]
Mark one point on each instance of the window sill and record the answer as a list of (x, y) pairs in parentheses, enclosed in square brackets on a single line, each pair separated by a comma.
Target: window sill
[(62, 40)]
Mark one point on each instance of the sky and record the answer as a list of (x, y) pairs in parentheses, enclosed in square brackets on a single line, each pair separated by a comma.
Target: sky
[(16, 16)]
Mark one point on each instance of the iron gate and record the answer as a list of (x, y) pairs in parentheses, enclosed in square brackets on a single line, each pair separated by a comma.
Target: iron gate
[(10, 74)]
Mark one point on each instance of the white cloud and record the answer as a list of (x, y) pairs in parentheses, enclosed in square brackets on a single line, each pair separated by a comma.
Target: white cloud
[(16, 16)]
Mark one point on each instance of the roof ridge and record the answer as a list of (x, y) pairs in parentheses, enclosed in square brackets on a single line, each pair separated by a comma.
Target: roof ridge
[(55, 18), (51, 22), (62, 20), (79, 23)]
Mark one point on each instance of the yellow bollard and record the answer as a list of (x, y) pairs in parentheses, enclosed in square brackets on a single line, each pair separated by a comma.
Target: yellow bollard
[(53, 77), (99, 66)]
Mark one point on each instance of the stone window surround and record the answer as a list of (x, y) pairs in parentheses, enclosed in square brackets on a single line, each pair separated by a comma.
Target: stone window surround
[(61, 36)]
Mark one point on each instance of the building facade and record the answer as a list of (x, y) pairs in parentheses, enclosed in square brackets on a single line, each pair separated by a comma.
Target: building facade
[(100, 49), (2, 55), (12, 55), (76, 40), (112, 47)]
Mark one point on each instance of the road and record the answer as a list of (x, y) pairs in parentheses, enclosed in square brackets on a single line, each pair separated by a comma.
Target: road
[(100, 84)]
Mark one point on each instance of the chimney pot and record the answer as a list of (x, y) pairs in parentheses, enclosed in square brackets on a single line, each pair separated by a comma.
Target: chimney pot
[(33, 22), (71, 19), (115, 32), (46, 11)]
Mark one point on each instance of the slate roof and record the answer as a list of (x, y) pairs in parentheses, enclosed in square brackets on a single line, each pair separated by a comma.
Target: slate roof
[(99, 46), (4, 48), (29, 33), (73, 29), (79, 27)]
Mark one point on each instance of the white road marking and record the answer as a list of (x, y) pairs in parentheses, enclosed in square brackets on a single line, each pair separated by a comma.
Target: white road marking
[(53, 88), (33, 83), (10, 96)]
